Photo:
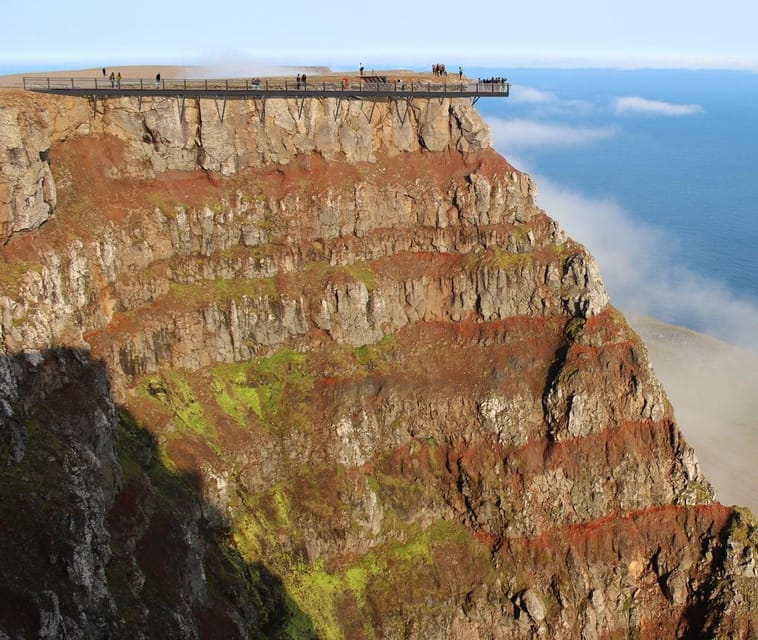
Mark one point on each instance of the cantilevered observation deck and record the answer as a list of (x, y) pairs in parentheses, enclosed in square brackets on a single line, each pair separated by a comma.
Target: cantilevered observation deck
[(364, 87), (369, 88)]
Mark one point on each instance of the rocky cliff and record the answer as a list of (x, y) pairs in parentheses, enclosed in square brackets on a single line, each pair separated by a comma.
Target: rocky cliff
[(324, 369)]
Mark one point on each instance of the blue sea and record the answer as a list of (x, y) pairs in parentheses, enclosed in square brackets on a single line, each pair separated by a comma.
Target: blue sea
[(656, 172)]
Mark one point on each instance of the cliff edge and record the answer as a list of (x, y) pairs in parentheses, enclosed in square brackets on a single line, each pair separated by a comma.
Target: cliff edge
[(324, 369)]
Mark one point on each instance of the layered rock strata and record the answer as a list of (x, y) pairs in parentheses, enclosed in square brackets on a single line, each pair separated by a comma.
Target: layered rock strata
[(324, 369)]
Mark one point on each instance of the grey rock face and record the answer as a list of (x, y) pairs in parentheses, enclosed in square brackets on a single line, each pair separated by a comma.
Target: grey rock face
[(159, 139)]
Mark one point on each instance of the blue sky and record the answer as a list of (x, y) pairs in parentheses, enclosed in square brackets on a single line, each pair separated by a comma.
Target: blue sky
[(674, 33)]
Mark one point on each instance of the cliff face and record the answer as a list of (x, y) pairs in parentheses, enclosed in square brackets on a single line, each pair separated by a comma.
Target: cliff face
[(323, 369)]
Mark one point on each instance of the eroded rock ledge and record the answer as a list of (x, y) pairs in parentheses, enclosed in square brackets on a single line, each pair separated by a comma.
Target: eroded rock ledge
[(166, 134)]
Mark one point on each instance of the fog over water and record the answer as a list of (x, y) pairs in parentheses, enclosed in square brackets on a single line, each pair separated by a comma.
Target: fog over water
[(654, 171)]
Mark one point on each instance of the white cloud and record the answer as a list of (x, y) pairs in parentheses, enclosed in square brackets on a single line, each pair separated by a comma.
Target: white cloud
[(637, 104), (547, 103), (642, 270), (524, 134), (530, 95)]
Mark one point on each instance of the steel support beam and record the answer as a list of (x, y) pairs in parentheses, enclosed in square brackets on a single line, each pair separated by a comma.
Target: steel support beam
[(221, 111), (300, 108), (403, 116), (370, 116), (262, 109)]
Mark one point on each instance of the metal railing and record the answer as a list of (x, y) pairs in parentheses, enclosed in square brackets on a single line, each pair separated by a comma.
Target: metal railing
[(230, 87)]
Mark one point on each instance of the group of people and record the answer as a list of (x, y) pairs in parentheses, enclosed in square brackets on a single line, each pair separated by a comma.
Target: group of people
[(439, 70), (494, 80), (499, 85), (115, 79)]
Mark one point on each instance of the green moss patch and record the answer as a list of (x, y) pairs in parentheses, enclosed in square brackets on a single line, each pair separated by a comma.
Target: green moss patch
[(388, 580), (259, 386)]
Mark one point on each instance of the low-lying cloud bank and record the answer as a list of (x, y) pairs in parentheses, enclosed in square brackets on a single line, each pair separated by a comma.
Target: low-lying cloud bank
[(524, 134), (641, 268), (637, 104), (529, 95)]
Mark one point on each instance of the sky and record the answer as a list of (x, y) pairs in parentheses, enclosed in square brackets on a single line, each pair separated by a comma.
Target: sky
[(393, 33)]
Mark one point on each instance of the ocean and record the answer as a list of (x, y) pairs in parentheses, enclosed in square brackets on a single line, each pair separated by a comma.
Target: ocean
[(656, 172)]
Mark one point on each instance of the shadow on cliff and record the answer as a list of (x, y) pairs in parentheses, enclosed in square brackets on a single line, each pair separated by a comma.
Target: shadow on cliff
[(99, 538)]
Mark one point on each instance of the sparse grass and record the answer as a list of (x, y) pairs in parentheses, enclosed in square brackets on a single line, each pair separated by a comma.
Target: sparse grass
[(209, 291), (574, 329), (378, 356), (498, 258), (507, 260), (361, 271), (169, 207), (186, 406), (12, 275), (174, 394)]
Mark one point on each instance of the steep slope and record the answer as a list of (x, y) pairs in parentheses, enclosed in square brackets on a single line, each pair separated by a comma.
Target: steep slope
[(325, 370)]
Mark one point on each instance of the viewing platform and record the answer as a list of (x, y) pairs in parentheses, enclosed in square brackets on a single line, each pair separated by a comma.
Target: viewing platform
[(367, 87)]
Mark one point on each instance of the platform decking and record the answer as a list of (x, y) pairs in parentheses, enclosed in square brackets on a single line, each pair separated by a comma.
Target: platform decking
[(236, 88)]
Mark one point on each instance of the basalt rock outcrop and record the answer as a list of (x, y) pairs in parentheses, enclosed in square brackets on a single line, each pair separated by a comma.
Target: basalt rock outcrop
[(324, 369)]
